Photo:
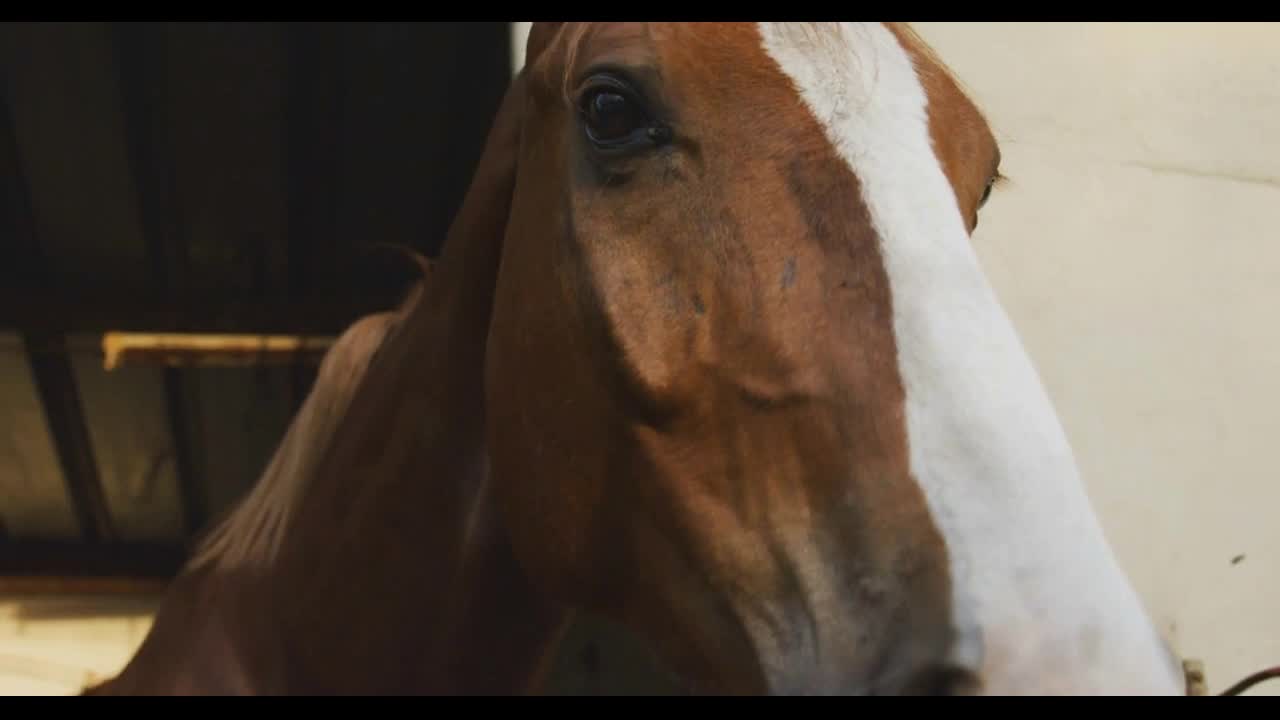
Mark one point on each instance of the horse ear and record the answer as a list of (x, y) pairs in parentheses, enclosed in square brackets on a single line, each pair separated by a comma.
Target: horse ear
[(472, 247)]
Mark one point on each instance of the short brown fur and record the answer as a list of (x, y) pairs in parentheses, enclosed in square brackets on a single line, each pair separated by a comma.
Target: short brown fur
[(692, 363)]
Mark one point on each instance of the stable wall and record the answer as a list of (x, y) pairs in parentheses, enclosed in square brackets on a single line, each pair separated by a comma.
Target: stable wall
[(1135, 249)]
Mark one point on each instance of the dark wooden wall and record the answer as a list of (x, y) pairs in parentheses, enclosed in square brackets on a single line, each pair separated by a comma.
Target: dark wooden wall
[(201, 177)]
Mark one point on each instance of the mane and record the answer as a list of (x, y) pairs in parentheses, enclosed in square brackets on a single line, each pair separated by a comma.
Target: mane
[(251, 534)]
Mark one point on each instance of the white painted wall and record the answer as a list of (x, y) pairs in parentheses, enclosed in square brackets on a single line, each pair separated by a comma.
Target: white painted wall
[(1136, 250), (519, 37), (56, 645)]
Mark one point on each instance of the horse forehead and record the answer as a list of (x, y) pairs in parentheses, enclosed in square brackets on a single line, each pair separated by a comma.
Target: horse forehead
[(693, 53), (829, 69), (824, 70), (844, 70), (870, 81), (845, 50)]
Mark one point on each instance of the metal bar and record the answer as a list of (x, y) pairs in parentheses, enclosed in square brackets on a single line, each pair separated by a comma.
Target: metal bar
[(91, 345), (188, 349)]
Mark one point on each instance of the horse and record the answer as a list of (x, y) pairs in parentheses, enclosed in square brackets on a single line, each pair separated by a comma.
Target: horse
[(708, 353)]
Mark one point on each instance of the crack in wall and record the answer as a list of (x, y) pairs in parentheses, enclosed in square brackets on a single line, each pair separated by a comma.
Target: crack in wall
[(1262, 180)]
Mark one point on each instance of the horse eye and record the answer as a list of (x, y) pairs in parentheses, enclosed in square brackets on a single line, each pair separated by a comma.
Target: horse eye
[(986, 192), (612, 118)]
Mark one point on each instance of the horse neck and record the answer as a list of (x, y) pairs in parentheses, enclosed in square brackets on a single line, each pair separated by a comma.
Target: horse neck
[(445, 609), (490, 633), (208, 638), (204, 639), (328, 545), (398, 565), (498, 633), (394, 575)]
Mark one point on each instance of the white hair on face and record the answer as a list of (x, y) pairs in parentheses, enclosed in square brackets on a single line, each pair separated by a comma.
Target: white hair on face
[(1041, 604)]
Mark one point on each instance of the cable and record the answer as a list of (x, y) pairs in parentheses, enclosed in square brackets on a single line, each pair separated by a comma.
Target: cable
[(1260, 676)]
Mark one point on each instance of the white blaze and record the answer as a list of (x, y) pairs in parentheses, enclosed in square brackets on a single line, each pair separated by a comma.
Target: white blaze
[(1032, 570)]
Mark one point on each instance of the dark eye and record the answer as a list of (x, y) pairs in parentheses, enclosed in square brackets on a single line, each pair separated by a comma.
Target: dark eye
[(986, 192), (615, 119)]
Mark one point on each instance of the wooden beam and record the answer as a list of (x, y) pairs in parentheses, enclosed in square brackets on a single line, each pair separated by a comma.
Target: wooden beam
[(180, 399), (56, 386)]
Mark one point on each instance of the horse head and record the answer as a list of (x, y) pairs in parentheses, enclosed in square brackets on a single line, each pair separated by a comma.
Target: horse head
[(749, 393)]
